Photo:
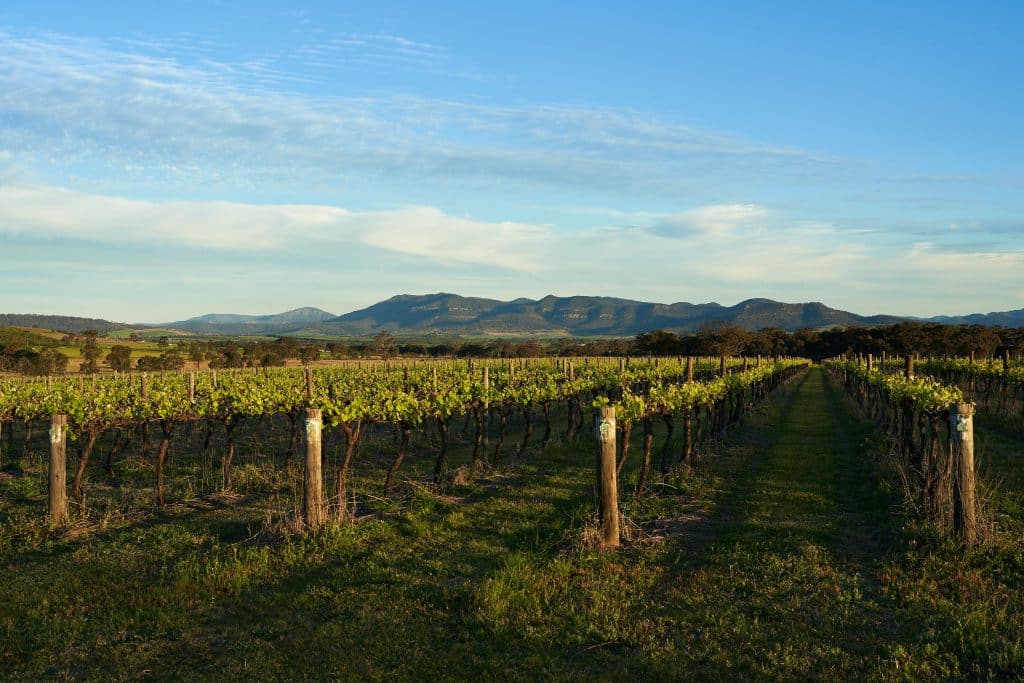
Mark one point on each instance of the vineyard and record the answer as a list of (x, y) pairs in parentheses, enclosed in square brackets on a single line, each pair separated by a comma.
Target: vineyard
[(377, 499), (403, 398)]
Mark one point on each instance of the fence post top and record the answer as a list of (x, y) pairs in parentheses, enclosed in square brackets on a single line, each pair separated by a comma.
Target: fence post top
[(964, 408)]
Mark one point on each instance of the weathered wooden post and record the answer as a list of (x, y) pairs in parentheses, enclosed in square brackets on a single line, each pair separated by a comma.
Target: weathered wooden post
[(572, 372), (58, 469), (689, 369), (608, 488), (965, 522), (144, 393), (309, 383), (313, 509), (723, 366), (191, 387), (909, 370), (1006, 361), (622, 365), (487, 387)]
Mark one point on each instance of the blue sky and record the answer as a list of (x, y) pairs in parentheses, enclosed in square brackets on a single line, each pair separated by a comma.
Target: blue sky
[(164, 160)]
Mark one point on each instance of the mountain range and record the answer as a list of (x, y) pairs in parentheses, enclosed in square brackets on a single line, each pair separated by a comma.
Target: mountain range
[(582, 316)]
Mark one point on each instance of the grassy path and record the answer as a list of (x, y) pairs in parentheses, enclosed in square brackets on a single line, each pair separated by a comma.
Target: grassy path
[(788, 587), (1000, 462)]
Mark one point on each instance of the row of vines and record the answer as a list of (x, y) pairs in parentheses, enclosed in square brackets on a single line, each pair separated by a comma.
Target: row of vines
[(930, 425), (702, 397)]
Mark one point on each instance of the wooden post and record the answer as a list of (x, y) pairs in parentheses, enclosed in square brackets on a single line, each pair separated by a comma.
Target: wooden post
[(309, 385), (723, 366), (961, 423), (58, 469), (689, 369), (871, 363), (909, 371), (144, 387), (622, 365), (214, 379), (487, 388), (1006, 361), (191, 387), (314, 512), (608, 505)]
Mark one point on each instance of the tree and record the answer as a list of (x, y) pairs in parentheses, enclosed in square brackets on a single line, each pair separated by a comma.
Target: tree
[(90, 353), (384, 344), (120, 358), (169, 360), (196, 353), (286, 347), (722, 340), (163, 342), (770, 341), (657, 343), (309, 353), (337, 349), (44, 362), (981, 340)]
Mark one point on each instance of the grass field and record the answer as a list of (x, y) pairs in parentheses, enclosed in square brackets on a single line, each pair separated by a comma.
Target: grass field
[(783, 556)]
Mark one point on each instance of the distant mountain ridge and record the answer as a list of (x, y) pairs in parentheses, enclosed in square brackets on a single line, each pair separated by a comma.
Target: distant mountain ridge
[(451, 314), (445, 314)]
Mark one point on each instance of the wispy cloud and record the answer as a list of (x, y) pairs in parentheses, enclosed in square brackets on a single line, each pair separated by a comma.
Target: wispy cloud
[(716, 222), (427, 232), (67, 100)]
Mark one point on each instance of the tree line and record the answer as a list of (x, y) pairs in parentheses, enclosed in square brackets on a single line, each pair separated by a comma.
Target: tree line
[(30, 353)]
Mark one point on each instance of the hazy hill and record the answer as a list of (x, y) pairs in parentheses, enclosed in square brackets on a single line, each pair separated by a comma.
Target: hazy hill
[(1005, 318), (230, 323)]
